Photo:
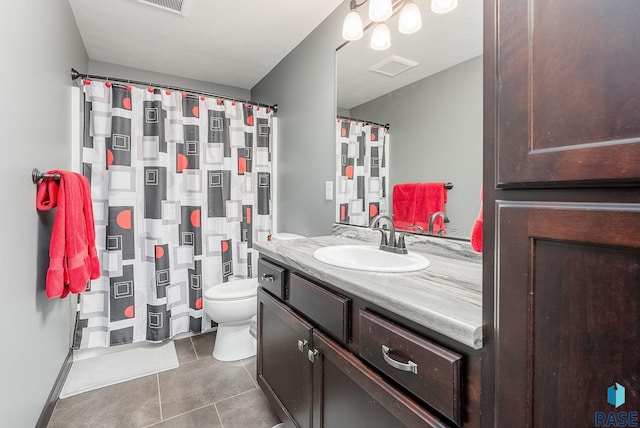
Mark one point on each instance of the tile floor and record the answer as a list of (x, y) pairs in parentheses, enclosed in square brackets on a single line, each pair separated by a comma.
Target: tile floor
[(201, 392)]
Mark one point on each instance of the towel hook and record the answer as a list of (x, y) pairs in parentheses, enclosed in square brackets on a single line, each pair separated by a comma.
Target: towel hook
[(36, 175)]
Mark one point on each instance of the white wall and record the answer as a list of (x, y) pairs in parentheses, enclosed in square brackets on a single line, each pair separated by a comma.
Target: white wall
[(39, 42)]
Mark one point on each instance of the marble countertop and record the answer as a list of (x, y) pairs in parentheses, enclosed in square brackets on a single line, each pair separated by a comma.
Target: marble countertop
[(445, 297)]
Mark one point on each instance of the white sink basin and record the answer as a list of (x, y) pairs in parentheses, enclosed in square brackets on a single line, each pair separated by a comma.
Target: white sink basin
[(370, 258)]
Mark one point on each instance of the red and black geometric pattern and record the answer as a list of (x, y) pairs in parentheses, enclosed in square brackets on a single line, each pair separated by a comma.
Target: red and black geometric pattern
[(181, 188), (361, 173)]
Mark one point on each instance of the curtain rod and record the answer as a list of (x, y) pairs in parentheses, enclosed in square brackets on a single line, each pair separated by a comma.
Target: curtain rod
[(77, 75), (385, 126)]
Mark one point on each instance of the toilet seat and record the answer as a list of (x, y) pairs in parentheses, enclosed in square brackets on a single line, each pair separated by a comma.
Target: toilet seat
[(233, 290)]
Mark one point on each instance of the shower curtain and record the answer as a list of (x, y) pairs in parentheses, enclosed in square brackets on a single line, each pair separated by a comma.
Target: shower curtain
[(181, 190), (361, 171)]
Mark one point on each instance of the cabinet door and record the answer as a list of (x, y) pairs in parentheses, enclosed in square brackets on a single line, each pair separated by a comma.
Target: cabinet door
[(346, 393), (567, 91), (568, 323), (284, 370)]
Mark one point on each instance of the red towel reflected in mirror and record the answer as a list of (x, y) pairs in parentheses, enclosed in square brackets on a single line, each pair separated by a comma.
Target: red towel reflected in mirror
[(476, 230), (413, 204)]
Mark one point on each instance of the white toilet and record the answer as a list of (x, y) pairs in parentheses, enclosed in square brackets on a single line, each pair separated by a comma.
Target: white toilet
[(232, 305)]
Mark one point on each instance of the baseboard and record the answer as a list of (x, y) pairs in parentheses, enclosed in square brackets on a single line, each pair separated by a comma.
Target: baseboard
[(47, 411)]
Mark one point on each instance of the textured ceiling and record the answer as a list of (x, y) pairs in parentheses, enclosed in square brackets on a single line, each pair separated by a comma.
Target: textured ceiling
[(230, 42)]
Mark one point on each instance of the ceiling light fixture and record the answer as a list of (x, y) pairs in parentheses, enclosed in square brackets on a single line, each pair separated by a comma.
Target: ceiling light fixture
[(443, 6), (410, 19), (352, 26), (380, 10), (409, 22), (381, 37)]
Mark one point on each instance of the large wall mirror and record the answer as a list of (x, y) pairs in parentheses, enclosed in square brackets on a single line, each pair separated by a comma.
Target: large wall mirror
[(428, 88)]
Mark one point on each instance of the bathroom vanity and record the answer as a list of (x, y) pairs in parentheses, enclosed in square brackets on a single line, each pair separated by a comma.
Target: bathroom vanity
[(346, 348)]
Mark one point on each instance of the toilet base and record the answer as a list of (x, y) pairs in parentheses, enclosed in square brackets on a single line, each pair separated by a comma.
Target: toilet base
[(233, 342)]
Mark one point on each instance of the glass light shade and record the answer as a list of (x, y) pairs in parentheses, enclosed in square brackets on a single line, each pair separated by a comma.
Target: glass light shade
[(380, 37), (443, 6), (410, 19), (352, 26), (380, 10)]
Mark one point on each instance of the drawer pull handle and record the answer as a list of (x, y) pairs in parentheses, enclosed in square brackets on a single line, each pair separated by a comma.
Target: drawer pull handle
[(409, 366), (301, 345), (267, 278), (312, 354)]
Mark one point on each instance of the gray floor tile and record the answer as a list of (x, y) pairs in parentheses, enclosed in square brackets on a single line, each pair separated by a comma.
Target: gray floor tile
[(204, 344), (250, 365), (129, 404), (250, 409), (185, 350), (199, 383), (206, 417)]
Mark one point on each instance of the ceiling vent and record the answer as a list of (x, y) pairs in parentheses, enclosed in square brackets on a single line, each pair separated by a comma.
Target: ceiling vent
[(181, 7), (393, 66)]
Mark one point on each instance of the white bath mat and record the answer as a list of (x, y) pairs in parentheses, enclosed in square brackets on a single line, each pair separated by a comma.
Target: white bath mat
[(92, 373)]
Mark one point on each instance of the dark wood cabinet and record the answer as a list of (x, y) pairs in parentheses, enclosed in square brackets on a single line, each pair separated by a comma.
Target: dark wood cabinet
[(283, 367), (347, 393), (312, 378), (569, 299), (426, 369), (567, 93), (562, 210)]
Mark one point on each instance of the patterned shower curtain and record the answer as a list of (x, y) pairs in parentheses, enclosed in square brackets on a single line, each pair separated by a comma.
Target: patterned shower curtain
[(181, 191), (361, 173)]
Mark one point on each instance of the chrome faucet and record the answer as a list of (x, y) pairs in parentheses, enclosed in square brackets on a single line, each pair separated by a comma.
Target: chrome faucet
[(390, 244), (417, 228), (432, 219)]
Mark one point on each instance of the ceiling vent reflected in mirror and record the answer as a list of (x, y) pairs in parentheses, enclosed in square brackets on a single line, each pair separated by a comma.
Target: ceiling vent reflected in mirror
[(181, 7), (393, 66)]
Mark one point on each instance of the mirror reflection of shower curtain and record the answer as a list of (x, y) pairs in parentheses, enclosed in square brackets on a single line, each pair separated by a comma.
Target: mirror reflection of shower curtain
[(181, 189), (362, 172)]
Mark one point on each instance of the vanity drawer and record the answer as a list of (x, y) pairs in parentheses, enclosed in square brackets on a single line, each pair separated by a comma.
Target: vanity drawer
[(328, 310), (272, 278), (429, 371)]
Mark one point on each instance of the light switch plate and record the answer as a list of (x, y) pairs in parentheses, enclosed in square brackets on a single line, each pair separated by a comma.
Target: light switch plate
[(328, 190)]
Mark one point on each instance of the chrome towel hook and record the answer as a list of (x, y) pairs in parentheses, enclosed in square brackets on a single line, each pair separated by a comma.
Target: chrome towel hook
[(36, 175)]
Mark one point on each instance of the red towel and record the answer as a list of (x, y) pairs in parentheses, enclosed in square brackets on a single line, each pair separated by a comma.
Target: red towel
[(476, 230), (72, 251), (430, 198), (404, 205)]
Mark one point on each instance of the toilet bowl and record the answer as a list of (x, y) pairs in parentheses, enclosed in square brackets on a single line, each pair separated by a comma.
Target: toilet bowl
[(232, 305)]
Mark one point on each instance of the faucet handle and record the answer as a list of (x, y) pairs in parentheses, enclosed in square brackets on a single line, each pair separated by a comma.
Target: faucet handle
[(383, 239), (400, 247), (401, 243)]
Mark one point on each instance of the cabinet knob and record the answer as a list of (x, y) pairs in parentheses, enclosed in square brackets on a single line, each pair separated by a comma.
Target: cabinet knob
[(267, 278), (301, 345), (312, 354), (409, 366)]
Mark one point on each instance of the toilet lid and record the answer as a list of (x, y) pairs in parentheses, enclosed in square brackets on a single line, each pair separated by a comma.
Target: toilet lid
[(233, 290)]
